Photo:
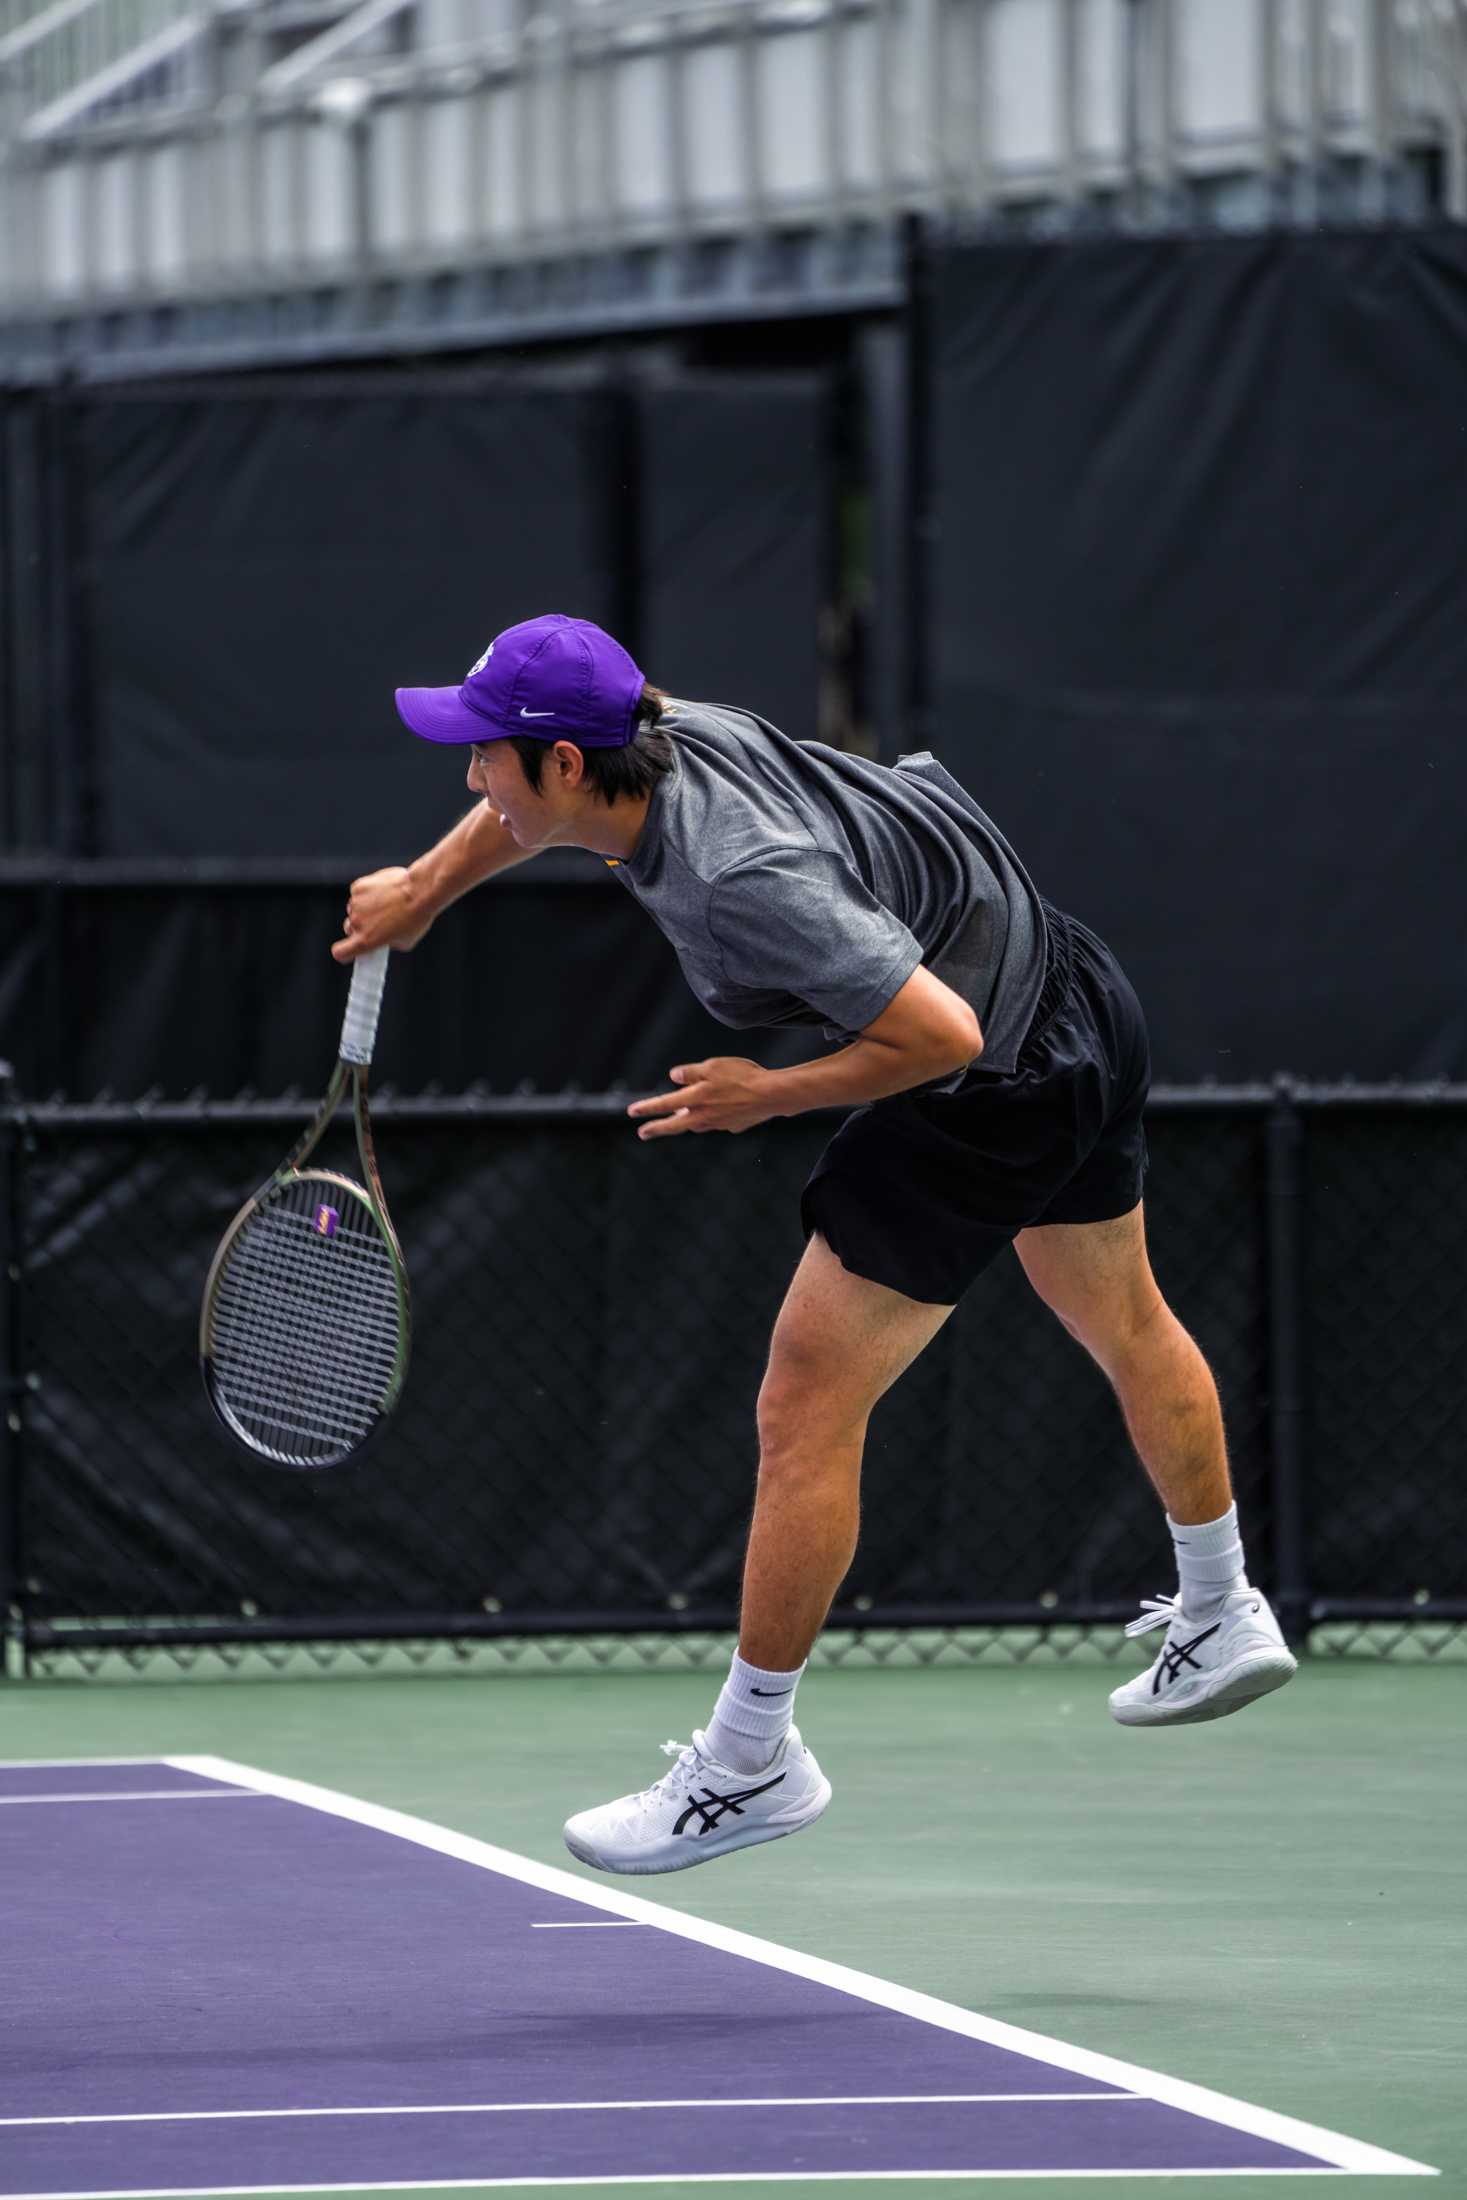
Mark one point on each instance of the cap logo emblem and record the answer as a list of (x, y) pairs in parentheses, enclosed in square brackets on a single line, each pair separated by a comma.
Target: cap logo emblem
[(535, 713), (480, 663)]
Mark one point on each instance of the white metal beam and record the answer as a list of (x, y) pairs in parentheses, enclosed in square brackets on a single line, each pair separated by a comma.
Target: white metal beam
[(318, 54), (73, 107)]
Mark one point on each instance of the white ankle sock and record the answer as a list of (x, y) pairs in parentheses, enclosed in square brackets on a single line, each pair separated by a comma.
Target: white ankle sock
[(1209, 1562), (752, 1716)]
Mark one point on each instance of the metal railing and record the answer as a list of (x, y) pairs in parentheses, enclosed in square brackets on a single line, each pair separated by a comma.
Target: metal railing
[(15, 13), (66, 61), (568, 131)]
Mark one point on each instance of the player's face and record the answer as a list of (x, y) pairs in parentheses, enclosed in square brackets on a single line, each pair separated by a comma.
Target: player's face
[(532, 819)]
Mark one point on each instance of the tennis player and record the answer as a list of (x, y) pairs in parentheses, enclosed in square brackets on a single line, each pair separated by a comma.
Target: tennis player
[(995, 1060)]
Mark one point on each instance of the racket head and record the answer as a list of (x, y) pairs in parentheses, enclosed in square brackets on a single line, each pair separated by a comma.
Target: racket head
[(305, 1328)]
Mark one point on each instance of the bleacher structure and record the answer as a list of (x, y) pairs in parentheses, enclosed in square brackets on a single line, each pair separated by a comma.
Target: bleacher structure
[(236, 178)]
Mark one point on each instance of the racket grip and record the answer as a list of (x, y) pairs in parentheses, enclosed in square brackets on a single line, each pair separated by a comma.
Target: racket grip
[(363, 1006)]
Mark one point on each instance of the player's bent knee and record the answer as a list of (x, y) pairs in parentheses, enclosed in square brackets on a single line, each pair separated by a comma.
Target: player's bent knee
[(797, 1416), (1121, 1339), (1150, 1327)]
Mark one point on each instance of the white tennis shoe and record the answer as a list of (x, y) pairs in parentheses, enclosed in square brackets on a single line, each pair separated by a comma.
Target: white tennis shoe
[(701, 1809), (1205, 1670)]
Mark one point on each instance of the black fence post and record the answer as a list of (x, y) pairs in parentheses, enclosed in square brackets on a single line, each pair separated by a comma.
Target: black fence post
[(622, 491), (12, 1379), (1284, 1237), (80, 793), (883, 372), (28, 769), (921, 529)]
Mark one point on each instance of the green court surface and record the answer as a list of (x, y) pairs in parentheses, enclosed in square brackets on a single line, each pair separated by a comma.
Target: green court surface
[(1271, 1906)]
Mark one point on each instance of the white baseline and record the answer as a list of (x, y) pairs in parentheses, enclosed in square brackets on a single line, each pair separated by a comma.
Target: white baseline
[(544, 2108), (140, 1795)]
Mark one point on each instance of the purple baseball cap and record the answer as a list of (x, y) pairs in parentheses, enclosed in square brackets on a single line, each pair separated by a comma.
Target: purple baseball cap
[(554, 678)]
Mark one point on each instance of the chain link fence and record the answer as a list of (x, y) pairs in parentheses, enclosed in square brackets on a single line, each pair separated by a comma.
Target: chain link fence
[(570, 1475)]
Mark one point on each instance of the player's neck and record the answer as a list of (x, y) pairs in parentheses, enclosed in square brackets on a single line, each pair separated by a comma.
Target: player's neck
[(614, 830)]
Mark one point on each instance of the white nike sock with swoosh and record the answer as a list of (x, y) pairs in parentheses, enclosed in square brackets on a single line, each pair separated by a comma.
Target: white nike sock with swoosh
[(1209, 1563), (752, 1716)]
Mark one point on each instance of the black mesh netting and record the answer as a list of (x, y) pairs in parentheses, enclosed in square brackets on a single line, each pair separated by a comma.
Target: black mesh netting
[(1385, 1496), (576, 1444), (577, 1435)]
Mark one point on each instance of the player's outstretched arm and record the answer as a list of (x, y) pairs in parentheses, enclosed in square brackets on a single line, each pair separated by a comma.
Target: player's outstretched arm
[(395, 907)]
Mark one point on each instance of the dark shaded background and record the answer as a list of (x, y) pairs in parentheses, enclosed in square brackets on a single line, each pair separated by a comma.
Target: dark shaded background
[(577, 1433), (1188, 615), (1199, 624), (1187, 612)]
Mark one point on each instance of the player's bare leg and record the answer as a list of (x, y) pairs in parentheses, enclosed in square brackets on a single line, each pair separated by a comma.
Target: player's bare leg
[(839, 1343), (1223, 1647), (1096, 1276)]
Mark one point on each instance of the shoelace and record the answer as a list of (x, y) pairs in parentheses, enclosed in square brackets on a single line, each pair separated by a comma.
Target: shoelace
[(1158, 1612), (1155, 1612), (681, 1773)]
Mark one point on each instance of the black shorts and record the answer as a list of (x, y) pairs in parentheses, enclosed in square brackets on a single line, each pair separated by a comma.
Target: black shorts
[(922, 1191)]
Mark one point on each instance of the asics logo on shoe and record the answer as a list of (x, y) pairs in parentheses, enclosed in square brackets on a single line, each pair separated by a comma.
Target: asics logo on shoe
[(1178, 1654), (711, 1807)]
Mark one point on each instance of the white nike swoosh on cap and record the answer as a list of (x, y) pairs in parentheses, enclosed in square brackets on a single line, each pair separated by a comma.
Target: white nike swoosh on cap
[(535, 713)]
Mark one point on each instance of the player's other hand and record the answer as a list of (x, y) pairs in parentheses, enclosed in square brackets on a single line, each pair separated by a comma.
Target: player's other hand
[(727, 1094), (382, 910)]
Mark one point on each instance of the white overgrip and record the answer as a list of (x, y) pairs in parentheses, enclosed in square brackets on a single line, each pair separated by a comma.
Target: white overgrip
[(363, 1006)]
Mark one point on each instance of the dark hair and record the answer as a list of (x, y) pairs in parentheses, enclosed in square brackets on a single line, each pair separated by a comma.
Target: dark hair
[(632, 771)]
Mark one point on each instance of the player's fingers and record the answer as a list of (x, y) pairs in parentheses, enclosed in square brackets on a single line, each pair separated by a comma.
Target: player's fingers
[(659, 1103), (670, 1126)]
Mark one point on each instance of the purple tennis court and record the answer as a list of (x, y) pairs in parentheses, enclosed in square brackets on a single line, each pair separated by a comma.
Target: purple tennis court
[(234, 1980)]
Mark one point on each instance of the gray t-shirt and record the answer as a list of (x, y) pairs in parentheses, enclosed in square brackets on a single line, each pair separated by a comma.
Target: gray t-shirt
[(802, 885)]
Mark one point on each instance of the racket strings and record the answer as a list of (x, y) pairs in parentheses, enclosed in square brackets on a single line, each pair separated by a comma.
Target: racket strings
[(256, 1299), (306, 1327)]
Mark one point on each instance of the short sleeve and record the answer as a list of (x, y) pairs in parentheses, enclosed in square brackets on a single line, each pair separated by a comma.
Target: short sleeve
[(800, 921)]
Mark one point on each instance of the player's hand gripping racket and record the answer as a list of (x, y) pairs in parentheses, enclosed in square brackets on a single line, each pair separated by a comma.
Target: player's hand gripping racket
[(305, 1326)]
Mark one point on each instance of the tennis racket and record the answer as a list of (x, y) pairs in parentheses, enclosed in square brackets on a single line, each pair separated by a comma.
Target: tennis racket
[(306, 1324)]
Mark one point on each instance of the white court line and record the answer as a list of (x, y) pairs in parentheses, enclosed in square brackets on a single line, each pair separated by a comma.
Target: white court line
[(683, 2178), (544, 2108), (1332, 2147), (584, 1924), (59, 1764), (142, 1795)]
